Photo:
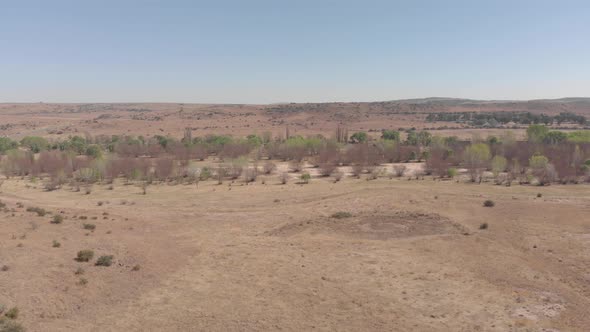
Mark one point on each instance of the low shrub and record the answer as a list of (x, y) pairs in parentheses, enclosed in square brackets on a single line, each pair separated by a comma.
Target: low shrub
[(284, 178), (56, 244), (85, 255), (10, 326), (39, 211), (483, 226), (489, 203), (305, 177), (104, 260), (268, 167), (341, 215), (452, 172), (90, 227), (12, 313), (57, 219), (399, 170)]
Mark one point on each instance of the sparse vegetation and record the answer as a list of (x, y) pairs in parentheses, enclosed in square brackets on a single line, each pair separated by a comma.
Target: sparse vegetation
[(298, 220), (39, 211), (305, 178), (85, 255), (57, 219), (341, 215), (489, 203), (284, 177), (12, 313), (10, 326), (90, 227), (104, 260)]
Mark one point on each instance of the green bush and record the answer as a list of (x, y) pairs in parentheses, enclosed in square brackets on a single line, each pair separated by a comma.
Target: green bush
[(390, 135), (536, 133), (7, 144), (452, 172), (359, 137), (305, 177), (35, 143), (104, 260)]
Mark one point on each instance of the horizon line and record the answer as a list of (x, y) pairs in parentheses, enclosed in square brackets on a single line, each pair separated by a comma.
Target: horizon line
[(424, 99)]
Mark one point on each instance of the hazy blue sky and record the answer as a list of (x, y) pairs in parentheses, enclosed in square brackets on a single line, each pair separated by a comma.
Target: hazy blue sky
[(297, 50)]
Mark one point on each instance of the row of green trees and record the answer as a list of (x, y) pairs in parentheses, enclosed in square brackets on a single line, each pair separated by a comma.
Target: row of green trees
[(500, 118)]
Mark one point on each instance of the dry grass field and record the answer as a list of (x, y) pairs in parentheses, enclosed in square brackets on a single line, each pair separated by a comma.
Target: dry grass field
[(388, 254), (412, 255)]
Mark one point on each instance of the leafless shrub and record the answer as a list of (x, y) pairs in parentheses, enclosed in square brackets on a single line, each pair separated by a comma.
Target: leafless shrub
[(164, 168), (374, 173), (234, 170), (399, 170), (437, 162), (296, 166), (357, 170), (284, 177), (268, 167), (220, 174), (338, 175), (250, 175), (235, 150), (327, 168)]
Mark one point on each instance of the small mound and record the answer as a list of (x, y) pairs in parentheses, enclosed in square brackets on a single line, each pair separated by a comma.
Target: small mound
[(402, 224)]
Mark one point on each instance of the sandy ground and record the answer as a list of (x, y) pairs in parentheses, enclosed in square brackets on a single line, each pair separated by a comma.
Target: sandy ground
[(236, 257)]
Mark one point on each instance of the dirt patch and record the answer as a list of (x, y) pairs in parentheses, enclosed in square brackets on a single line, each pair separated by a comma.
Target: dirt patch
[(400, 224)]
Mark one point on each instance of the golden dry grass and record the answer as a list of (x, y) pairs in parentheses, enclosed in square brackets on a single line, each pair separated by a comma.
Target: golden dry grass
[(269, 257)]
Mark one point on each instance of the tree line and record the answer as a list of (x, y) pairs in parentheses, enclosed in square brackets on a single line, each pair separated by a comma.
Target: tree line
[(546, 156), (494, 119)]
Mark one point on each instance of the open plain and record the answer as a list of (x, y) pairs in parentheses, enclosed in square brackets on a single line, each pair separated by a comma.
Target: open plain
[(411, 256)]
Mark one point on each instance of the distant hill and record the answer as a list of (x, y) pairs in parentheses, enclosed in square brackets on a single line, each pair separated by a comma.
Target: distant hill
[(61, 120)]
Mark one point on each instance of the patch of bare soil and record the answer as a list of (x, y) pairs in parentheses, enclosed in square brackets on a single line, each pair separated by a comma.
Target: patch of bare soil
[(401, 224)]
